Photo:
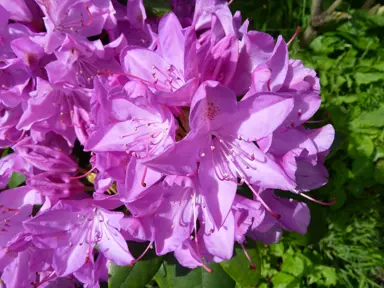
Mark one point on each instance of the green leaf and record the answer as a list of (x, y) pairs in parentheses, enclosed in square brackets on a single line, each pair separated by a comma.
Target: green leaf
[(367, 78), (117, 275), (377, 20), (361, 146), (161, 277), (157, 8), (5, 152), (323, 275), (317, 227), (324, 44), (217, 279), (176, 276), (284, 280), (369, 119), (277, 249), (179, 276), (329, 274), (134, 277), (239, 267), (379, 172), (16, 180), (158, 3), (293, 265)]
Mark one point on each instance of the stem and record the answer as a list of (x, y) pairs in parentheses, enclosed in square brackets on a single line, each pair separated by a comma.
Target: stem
[(316, 8), (368, 4), (318, 19)]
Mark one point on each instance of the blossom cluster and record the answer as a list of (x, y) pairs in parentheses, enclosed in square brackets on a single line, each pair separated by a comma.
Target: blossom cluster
[(175, 113)]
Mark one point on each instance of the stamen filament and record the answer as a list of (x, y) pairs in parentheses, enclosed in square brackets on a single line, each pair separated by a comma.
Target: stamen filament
[(90, 17), (261, 200), (108, 72), (143, 178), (17, 140), (83, 175), (144, 252), (318, 201), (209, 270), (320, 121), (46, 279), (253, 265), (90, 244), (294, 35)]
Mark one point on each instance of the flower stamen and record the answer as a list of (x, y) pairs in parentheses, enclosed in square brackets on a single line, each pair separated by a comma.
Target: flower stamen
[(318, 201), (253, 265)]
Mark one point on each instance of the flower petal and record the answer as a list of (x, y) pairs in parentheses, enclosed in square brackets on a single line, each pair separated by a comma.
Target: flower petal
[(219, 194), (220, 243)]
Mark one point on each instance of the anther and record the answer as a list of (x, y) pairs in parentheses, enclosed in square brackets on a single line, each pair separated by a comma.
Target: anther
[(299, 112), (143, 178)]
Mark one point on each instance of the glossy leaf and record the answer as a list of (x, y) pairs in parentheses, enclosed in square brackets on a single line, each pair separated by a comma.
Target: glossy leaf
[(137, 276), (239, 267), (16, 180), (173, 275), (284, 280)]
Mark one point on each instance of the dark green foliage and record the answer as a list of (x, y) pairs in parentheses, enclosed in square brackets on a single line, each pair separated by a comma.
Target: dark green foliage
[(16, 180)]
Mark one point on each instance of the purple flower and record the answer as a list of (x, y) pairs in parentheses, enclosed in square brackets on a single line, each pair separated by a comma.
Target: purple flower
[(222, 131), (22, 270), (254, 220), (301, 153), (45, 158), (73, 228), (176, 112), (141, 129), (58, 108), (13, 163), (9, 135), (15, 207), (14, 78), (79, 62), (132, 22), (55, 185), (171, 70), (215, 246), (21, 10), (84, 18)]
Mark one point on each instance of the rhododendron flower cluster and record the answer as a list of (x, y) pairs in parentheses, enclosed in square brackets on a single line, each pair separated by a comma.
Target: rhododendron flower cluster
[(175, 114)]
